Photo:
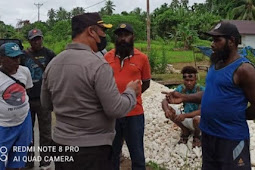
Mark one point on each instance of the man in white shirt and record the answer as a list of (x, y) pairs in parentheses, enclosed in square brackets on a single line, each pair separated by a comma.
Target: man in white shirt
[(15, 118)]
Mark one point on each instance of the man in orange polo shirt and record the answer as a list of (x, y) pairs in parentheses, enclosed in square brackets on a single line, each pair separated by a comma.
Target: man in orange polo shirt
[(129, 64)]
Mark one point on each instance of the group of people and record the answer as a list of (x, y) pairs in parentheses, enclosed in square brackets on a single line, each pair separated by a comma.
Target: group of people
[(86, 92), (21, 80), (98, 105), (224, 109)]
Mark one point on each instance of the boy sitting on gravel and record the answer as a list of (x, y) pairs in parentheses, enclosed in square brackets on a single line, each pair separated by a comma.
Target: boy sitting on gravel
[(189, 119)]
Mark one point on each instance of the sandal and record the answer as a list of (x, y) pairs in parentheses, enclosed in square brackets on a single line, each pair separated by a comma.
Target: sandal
[(196, 141), (184, 138)]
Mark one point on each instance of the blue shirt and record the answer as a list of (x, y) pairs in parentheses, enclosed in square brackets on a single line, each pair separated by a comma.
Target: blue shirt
[(223, 104), (44, 56), (190, 107)]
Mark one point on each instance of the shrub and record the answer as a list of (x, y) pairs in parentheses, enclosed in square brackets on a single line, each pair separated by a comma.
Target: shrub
[(153, 60)]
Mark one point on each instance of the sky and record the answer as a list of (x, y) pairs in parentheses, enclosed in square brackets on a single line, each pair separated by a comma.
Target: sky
[(11, 11)]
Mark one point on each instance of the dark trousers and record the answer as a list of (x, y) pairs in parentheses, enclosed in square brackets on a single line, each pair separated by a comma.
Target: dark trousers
[(223, 154), (85, 158), (44, 122), (131, 129)]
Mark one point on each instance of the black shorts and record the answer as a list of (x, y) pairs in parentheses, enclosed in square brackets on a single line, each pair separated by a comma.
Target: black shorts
[(82, 158), (223, 154)]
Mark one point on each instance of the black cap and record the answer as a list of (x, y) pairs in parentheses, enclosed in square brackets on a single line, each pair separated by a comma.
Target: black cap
[(224, 28), (124, 26), (34, 33), (87, 19)]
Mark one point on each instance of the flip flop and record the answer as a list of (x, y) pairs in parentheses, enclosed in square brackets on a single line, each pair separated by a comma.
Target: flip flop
[(184, 138), (196, 141)]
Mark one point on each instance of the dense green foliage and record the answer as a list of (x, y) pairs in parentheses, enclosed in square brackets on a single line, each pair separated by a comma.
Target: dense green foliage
[(175, 27), (176, 22)]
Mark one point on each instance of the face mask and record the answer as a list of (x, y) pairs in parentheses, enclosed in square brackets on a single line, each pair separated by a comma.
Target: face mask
[(102, 44)]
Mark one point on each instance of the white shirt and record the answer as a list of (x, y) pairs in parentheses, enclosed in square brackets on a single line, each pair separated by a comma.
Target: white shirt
[(14, 104)]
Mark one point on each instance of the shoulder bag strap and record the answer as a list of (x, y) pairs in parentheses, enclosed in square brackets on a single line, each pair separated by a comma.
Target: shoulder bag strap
[(17, 81), (35, 60)]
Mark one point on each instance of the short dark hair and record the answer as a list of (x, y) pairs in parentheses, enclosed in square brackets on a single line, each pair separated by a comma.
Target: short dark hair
[(189, 70)]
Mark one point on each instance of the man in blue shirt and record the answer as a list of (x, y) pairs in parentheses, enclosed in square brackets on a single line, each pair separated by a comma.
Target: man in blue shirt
[(189, 119), (229, 87)]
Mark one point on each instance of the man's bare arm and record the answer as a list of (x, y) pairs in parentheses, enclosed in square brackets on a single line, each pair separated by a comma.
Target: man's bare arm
[(176, 97), (245, 78), (145, 85), (169, 111)]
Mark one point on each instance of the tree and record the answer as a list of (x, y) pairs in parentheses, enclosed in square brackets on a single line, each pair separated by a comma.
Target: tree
[(52, 14), (62, 14), (185, 3), (175, 4), (160, 10), (163, 23), (6, 31), (77, 11), (186, 35), (124, 13), (138, 25), (219, 7), (245, 10), (199, 8), (52, 17), (139, 13), (22, 23), (102, 12), (212, 5), (109, 7), (61, 30), (136, 11)]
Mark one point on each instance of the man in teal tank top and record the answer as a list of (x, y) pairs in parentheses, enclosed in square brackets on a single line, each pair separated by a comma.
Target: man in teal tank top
[(230, 86), (187, 119)]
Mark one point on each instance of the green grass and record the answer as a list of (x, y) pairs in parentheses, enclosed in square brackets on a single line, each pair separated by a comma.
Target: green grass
[(172, 54), (164, 77), (155, 166), (178, 77), (179, 56), (203, 43)]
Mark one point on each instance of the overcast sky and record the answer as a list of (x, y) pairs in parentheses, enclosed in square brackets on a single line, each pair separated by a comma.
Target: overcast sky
[(13, 10)]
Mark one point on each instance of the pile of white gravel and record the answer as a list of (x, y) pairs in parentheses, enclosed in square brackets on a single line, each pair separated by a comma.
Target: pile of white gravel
[(161, 136)]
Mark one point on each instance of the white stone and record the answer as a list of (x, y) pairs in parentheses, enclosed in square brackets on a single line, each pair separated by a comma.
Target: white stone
[(160, 138), (183, 150), (197, 151), (253, 158)]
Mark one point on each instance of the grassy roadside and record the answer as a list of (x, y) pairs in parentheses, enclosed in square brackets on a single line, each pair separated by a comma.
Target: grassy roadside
[(178, 77)]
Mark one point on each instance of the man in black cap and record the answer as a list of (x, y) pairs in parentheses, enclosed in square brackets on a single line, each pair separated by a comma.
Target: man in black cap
[(15, 118), (229, 87), (36, 59), (129, 64), (80, 86)]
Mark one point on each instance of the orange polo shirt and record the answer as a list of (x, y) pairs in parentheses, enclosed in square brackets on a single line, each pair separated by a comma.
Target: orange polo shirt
[(132, 68)]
